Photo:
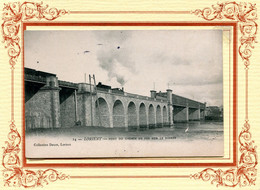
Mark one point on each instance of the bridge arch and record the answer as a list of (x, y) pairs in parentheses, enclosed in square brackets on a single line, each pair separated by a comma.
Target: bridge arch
[(102, 113), (142, 116), (164, 115), (132, 115), (151, 116), (158, 116), (118, 114)]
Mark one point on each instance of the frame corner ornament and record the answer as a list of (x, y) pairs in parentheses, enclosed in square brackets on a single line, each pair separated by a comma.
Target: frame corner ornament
[(13, 14), (245, 15)]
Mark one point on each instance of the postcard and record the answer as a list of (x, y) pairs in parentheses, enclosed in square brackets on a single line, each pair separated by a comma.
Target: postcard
[(123, 93)]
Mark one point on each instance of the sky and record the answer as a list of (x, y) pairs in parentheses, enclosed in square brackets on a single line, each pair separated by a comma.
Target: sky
[(187, 61)]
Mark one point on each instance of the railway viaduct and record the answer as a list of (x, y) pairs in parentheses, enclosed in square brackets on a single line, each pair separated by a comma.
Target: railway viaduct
[(52, 103)]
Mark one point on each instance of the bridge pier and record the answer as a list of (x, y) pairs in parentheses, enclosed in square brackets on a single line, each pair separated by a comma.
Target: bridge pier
[(126, 122), (52, 87), (111, 120), (82, 97), (151, 116), (170, 107), (138, 120), (42, 108), (202, 114)]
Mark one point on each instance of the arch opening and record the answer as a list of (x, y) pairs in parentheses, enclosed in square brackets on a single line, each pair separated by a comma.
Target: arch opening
[(118, 114), (159, 122), (101, 113), (142, 117), (132, 116)]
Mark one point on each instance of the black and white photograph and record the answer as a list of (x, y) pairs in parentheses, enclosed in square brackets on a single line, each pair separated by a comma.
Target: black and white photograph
[(123, 93)]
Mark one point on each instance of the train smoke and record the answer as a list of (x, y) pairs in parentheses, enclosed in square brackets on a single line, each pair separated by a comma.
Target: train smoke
[(114, 56)]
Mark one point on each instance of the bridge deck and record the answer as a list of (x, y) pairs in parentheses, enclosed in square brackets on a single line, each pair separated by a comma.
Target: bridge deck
[(179, 101), (39, 77), (42, 80)]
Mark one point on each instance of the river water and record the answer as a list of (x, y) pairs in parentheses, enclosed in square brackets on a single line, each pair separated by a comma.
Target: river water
[(193, 130), (196, 138)]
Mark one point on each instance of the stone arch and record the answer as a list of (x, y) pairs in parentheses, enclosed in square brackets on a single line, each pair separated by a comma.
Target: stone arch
[(132, 116), (164, 115), (158, 116), (151, 116), (102, 113), (118, 114), (142, 116)]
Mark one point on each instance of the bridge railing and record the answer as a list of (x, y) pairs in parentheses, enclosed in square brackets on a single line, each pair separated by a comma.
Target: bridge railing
[(182, 101), (41, 79), (144, 97), (178, 100), (161, 98), (192, 103), (35, 78), (137, 96), (68, 84), (103, 89)]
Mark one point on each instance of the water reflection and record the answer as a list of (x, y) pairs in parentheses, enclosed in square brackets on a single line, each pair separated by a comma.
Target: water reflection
[(195, 130)]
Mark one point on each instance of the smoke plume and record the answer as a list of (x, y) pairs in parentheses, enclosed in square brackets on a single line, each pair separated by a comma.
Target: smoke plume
[(114, 55)]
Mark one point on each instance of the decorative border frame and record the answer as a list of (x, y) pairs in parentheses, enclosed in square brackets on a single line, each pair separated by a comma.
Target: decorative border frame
[(245, 15), (13, 14), (16, 13)]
